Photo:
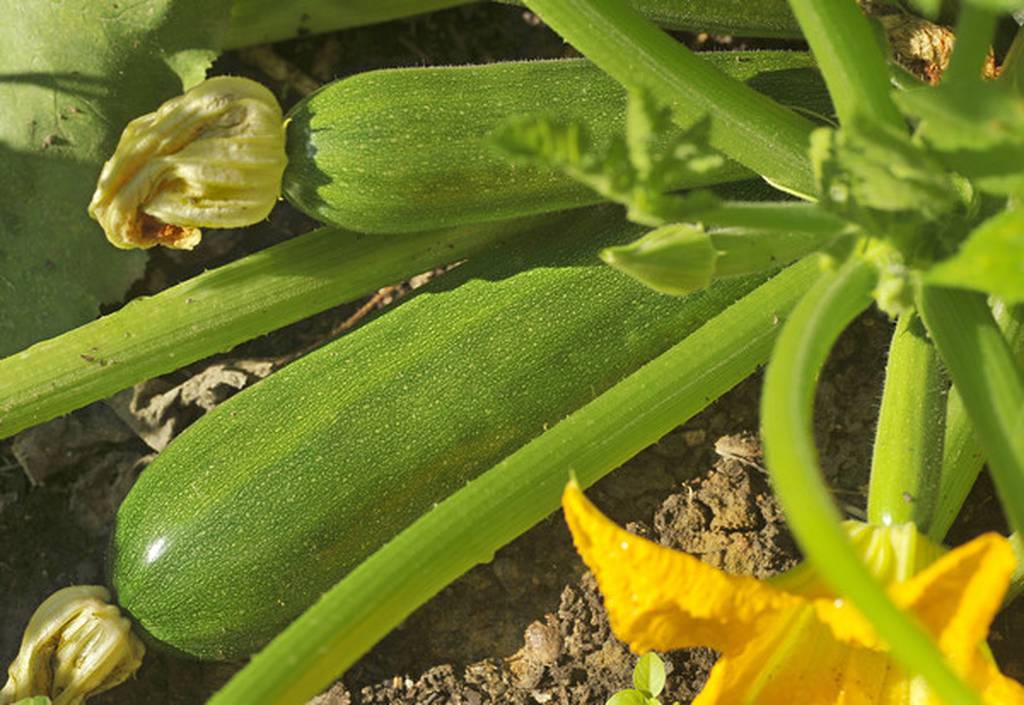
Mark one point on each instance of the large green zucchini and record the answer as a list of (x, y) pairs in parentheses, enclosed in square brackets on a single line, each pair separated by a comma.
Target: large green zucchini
[(263, 504), (401, 150)]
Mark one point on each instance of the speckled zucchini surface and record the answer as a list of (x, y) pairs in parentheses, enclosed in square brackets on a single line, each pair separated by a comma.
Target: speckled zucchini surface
[(401, 150)]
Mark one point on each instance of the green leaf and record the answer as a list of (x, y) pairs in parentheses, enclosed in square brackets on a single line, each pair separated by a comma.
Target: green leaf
[(636, 169), (72, 74), (991, 259), (974, 128), (649, 674), (868, 166), (628, 697), (877, 177), (37, 700)]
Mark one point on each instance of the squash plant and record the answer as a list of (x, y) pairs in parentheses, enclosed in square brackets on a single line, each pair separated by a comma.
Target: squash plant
[(915, 219)]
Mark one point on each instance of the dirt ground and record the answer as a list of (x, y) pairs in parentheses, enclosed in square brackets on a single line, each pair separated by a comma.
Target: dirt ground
[(526, 628)]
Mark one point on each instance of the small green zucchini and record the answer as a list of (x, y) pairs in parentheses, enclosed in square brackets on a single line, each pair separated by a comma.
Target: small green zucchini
[(401, 150), (266, 502)]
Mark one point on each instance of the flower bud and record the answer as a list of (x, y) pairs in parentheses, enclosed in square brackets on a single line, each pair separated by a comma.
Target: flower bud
[(212, 157)]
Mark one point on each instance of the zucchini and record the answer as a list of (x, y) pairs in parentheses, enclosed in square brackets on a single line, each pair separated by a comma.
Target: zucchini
[(380, 152), (263, 504)]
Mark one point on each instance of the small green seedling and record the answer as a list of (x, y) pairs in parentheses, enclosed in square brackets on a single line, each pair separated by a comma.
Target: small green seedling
[(648, 682)]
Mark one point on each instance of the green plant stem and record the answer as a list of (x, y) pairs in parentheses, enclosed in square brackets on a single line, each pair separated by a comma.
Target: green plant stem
[(792, 461), (989, 380), (907, 461), (745, 125), (974, 30), (962, 457), (790, 217), (1017, 579), (217, 310), (742, 252), (1013, 64), (468, 527), (851, 59)]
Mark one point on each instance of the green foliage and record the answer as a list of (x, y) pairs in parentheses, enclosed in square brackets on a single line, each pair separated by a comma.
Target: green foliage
[(876, 177), (921, 209), (649, 675), (37, 700), (635, 170), (648, 682), (73, 74), (991, 259), (975, 129)]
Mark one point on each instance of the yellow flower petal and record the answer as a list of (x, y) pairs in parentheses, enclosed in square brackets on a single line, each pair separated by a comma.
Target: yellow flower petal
[(779, 648), (798, 661), (956, 597), (660, 599)]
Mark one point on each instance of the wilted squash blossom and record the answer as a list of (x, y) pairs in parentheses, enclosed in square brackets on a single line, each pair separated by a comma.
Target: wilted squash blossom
[(790, 640), (212, 157), (75, 646)]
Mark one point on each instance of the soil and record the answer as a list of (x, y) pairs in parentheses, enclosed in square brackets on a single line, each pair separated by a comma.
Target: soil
[(526, 628)]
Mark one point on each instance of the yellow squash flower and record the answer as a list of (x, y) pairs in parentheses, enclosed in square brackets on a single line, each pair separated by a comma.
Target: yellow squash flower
[(779, 646)]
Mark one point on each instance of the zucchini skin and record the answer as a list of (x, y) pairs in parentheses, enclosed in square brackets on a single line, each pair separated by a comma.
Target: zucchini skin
[(401, 150), (263, 504)]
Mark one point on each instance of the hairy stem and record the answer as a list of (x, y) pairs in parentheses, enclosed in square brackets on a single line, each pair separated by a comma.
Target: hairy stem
[(217, 310), (990, 381), (962, 457), (792, 459), (907, 460), (851, 58)]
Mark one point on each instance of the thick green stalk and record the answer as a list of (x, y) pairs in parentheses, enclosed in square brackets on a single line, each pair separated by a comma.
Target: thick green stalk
[(787, 216), (990, 381), (962, 457), (1017, 580), (907, 460), (221, 308), (792, 461), (748, 127), (851, 58), (974, 30), (1013, 64), (741, 252), (472, 524)]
